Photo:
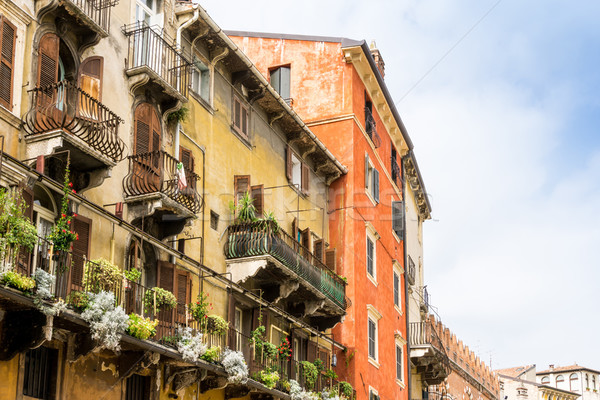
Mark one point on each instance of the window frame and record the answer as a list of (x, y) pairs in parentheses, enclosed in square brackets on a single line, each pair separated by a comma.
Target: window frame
[(372, 181), (198, 58), (400, 344), (277, 85), (373, 317), (397, 270), (9, 63), (237, 99)]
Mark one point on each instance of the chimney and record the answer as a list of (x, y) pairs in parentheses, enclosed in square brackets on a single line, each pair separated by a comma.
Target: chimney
[(377, 57), (551, 366)]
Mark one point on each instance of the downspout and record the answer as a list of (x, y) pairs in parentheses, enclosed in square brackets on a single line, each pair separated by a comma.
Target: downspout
[(406, 300), (178, 46)]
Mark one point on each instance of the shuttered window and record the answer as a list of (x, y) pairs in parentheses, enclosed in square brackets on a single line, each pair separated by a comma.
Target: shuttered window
[(318, 247), (305, 178), (375, 191), (297, 172), (330, 258), (240, 117), (258, 194), (371, 179), (372, 339), (39, 376), (183, 292), (370, 257), (241, 185), (8, 38), (306, 242), (280, 80), (187, 159), (147, 129), (90, 76), (398, 218), (166, 279), (396, 289), (81, 248), (399, 362), (48, 66)]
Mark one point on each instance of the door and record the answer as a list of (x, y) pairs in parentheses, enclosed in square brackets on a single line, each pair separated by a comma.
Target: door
[(147, 167)]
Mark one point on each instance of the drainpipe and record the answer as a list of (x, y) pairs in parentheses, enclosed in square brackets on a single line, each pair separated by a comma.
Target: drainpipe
[(406, 300), (178, 43)]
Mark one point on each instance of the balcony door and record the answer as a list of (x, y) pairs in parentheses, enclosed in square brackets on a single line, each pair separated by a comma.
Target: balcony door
[(148, 158)]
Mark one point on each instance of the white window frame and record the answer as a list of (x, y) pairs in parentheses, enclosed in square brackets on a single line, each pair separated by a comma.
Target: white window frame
[(369, 186), (400, 343), (373, 316), (238, 326), (197, 74), (373, 236), (397, 270), (373, 392)]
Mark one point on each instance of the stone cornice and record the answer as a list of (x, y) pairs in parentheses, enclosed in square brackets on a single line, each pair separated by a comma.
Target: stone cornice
[(414, 180)]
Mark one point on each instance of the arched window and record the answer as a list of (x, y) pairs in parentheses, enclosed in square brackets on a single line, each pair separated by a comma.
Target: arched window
[(559, 380), (573, 384), (545, 380)]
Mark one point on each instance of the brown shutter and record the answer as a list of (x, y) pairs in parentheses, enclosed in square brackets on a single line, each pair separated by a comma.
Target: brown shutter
[(295, 229), (288, 164), (241, 185), (318, 247), (182, 292), (305, 177), (90, 76), (142, 128), (330, 259), (258, 194), (48, 60), (306, 239), (166, 278), (185, 156), (81, 248), (8, 38), (311, 352)]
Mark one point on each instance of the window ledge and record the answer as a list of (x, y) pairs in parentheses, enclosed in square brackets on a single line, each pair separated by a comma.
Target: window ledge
[(374, 362), (9, 117), (396, 236), (202, 102), (368, 192), (242, 138), (398, 309), (372, 279), (400, 383)]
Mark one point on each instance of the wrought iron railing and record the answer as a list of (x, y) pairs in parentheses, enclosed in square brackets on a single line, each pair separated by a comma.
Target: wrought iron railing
[(96, 10), (150, 47), (156, 172), (260, 238), (371, 127), (424, 299), (65, 106), (396, 174)]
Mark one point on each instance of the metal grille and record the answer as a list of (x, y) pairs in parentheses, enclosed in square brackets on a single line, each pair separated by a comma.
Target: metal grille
[(138, 387), (40, 373)]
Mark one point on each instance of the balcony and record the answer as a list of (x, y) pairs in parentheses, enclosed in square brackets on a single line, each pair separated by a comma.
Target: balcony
[(154, 64), (153, 176), (427, 352), (286, 271), (396, 173), (64, 117), (371, 127)]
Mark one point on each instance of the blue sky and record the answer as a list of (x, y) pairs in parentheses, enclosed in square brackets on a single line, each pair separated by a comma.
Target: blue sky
[(505, 120)]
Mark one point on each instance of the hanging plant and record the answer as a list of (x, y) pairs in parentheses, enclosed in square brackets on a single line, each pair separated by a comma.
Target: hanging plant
[(61, 235), (346, 390), (217, 325), (140, 327), (165, 300), (310, 374), (16, 230), (100, 275), (284, 351), (199, 309)]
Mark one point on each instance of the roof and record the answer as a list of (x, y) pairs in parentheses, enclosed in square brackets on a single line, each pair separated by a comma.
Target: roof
[(514, 372), (567, 368)]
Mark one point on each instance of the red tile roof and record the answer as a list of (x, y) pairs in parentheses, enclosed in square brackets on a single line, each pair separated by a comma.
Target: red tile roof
[(515, 371)]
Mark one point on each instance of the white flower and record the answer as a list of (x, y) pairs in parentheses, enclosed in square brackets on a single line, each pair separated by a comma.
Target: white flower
[(235, 365), (189, 345), (106, 321)]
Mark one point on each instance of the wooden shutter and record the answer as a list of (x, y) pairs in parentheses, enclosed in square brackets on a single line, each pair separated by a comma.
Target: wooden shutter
[(318, 247), (258, 194), (47, 66), (306, 240), (8, 38), (288, 164), (366, 170), (311, 352), (166, 276), (305, 177), (81, 248), (330, 259), (241, 185), (183, 293), (142, 128), (187, 158), (295, 229), (376, 185), (398, 218), (90, 76)]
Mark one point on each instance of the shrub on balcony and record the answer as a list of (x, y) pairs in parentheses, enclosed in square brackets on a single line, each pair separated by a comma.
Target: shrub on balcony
[(319, 364), (346, 390), (140, 327), (17, 281), (199, 309), (217, 325), (212, 354), (284, 351), (16, 230), (310, 373), (269, 377), (331, 374), (45, 282), (297, 393), (101, 274), (61, 235), (165, 300), (246, 210), (330, 394), (78, 300), (235, 366), (132, 275), (190, 345), (106, 321)]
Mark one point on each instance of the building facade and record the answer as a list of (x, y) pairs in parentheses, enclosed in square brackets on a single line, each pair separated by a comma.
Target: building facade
[(337, 86), (574, 378), (169, 139), (520, 383)]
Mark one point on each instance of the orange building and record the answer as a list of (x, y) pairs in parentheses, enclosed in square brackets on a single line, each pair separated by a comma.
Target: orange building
[(337, 87)]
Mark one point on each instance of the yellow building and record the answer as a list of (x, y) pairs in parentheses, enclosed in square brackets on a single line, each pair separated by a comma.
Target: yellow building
[(167, 130)]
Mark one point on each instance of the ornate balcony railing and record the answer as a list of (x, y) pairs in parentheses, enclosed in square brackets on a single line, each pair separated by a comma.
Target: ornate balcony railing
[(396, 174), (98, 11), (149, 47), (424, 334), (64, 106), (156, 172), (371, 127), (260, 238)]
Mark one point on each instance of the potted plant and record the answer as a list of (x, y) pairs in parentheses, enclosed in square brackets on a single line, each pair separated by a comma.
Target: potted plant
[(217, 325), (269, 377), (16, 230), (158, 299), (101, 274), (140, 327)]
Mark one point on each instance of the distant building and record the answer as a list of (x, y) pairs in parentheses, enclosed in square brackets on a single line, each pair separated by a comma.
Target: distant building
[(575, 378), (519, 383)]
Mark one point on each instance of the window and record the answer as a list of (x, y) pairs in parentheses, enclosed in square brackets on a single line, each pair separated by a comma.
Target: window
[(214, 220), (241, 186), (8, 37), (297, 172), (39, 377), (138, 387), (395, 168), (373, 395), (399, 363), (545, 380), (573, 382), (398, 218), (371, 179), (587, 381), (594, 382), (280, 80), (373, 317), (240, 117), (396, 288), (370, 257), (200, 83), (559, 379), (147, 133)]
